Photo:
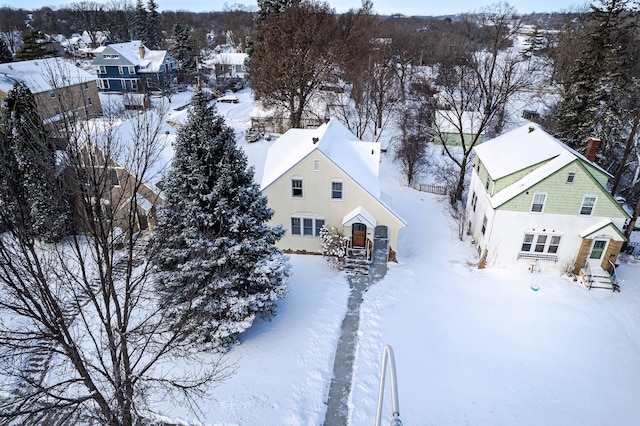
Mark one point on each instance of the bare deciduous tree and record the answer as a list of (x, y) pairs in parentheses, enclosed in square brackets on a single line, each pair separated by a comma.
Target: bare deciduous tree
[(475, 87), (293, 54), (82, 335)]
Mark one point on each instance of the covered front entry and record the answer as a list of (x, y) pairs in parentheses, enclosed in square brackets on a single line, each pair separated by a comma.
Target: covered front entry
[(359, 225)]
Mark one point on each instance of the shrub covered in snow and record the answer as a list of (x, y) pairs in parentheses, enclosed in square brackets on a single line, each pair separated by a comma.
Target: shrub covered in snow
[(334, 246)]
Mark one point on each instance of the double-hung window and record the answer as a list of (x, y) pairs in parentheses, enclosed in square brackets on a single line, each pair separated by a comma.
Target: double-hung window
[(484, 224), (537, 204), (296, 188), (306, 226), (588, 203), (336, 190), (474, 201), (541, 243)]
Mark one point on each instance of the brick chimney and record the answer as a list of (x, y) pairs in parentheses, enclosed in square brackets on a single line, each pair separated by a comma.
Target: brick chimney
[(141, 51), (592, 149)]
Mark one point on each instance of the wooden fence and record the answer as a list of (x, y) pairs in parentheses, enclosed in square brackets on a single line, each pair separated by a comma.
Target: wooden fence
[(431, 188)]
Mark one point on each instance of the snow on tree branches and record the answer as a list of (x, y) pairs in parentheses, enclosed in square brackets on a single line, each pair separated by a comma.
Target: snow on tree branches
[(217, 258)]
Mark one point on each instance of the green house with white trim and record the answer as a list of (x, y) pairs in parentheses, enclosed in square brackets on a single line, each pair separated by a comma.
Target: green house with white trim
[(536, 204)]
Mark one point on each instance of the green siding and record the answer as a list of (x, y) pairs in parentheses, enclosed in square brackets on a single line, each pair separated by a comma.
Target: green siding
[(454, 139), (601, 177), (566, 198), (482, 173)]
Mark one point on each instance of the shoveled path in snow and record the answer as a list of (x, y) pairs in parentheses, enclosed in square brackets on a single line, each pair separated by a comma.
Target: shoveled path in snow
[(337, 402)]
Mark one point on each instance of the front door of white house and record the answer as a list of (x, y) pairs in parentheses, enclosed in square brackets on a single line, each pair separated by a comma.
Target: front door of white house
[(598, 249)]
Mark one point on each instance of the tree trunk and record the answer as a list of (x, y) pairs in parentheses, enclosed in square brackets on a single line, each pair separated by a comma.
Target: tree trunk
[(627, 150), (457, 194), (632, 221)]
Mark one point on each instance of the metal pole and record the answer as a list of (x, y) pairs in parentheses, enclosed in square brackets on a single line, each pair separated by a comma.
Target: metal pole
[(388, 358)]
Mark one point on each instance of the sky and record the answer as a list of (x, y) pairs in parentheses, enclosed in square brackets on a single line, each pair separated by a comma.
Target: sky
[(383, 7)]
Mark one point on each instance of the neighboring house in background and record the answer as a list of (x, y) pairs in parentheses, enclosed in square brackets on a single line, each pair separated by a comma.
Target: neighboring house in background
[(535, 203), (326, 176), (131, 67), (448, 124), (228, 65), (109, 145), (56, 85)]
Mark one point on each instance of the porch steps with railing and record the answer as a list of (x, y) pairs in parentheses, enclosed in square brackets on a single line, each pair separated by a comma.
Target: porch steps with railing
[(599, 278), (356, 261)]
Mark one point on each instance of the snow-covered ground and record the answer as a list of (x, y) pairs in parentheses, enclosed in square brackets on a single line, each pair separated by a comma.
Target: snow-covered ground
[(472, 346)]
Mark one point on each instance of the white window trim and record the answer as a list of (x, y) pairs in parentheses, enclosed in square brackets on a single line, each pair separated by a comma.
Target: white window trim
[(301, 188), (593, 207), (534, 243), (316, 165), (315, 229), (120, 69), (103, 69), (474, 201), (132, 70), (341, 190), (533, 201)]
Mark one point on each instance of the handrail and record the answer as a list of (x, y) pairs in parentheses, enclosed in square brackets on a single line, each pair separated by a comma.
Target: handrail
[(587, 273), (614, 276), (388, 358)]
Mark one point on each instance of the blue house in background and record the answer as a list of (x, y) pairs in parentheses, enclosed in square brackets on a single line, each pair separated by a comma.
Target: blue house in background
[(131, 67)]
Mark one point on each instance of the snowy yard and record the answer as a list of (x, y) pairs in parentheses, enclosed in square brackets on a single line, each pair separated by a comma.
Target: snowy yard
[(472, 346)]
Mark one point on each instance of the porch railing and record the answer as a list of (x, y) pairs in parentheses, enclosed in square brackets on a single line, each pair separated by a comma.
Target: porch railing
[(586, 270), (614, 276)]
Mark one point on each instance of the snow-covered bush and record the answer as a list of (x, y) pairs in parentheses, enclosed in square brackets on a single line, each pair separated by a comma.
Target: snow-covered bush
[(334, 246)]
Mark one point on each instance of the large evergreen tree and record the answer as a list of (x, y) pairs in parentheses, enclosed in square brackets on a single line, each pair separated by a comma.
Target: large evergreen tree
[(185, 52), (32, 48), (212, 235), (5, 53), (139, 30), (154, 35), (34, 152), (601, 89)]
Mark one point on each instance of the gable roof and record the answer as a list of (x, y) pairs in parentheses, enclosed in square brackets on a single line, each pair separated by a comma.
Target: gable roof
[(524, 147), (604, 227), (228, 59), (360, 160), (42, 75), (130, 53)]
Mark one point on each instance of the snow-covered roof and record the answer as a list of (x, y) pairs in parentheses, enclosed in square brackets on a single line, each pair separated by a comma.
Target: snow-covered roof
[(151, 61), (448, 121), (521, 148), (600, 227), (360, 160), (227, 59), (359, 215), (121, 137), (42, 75)]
